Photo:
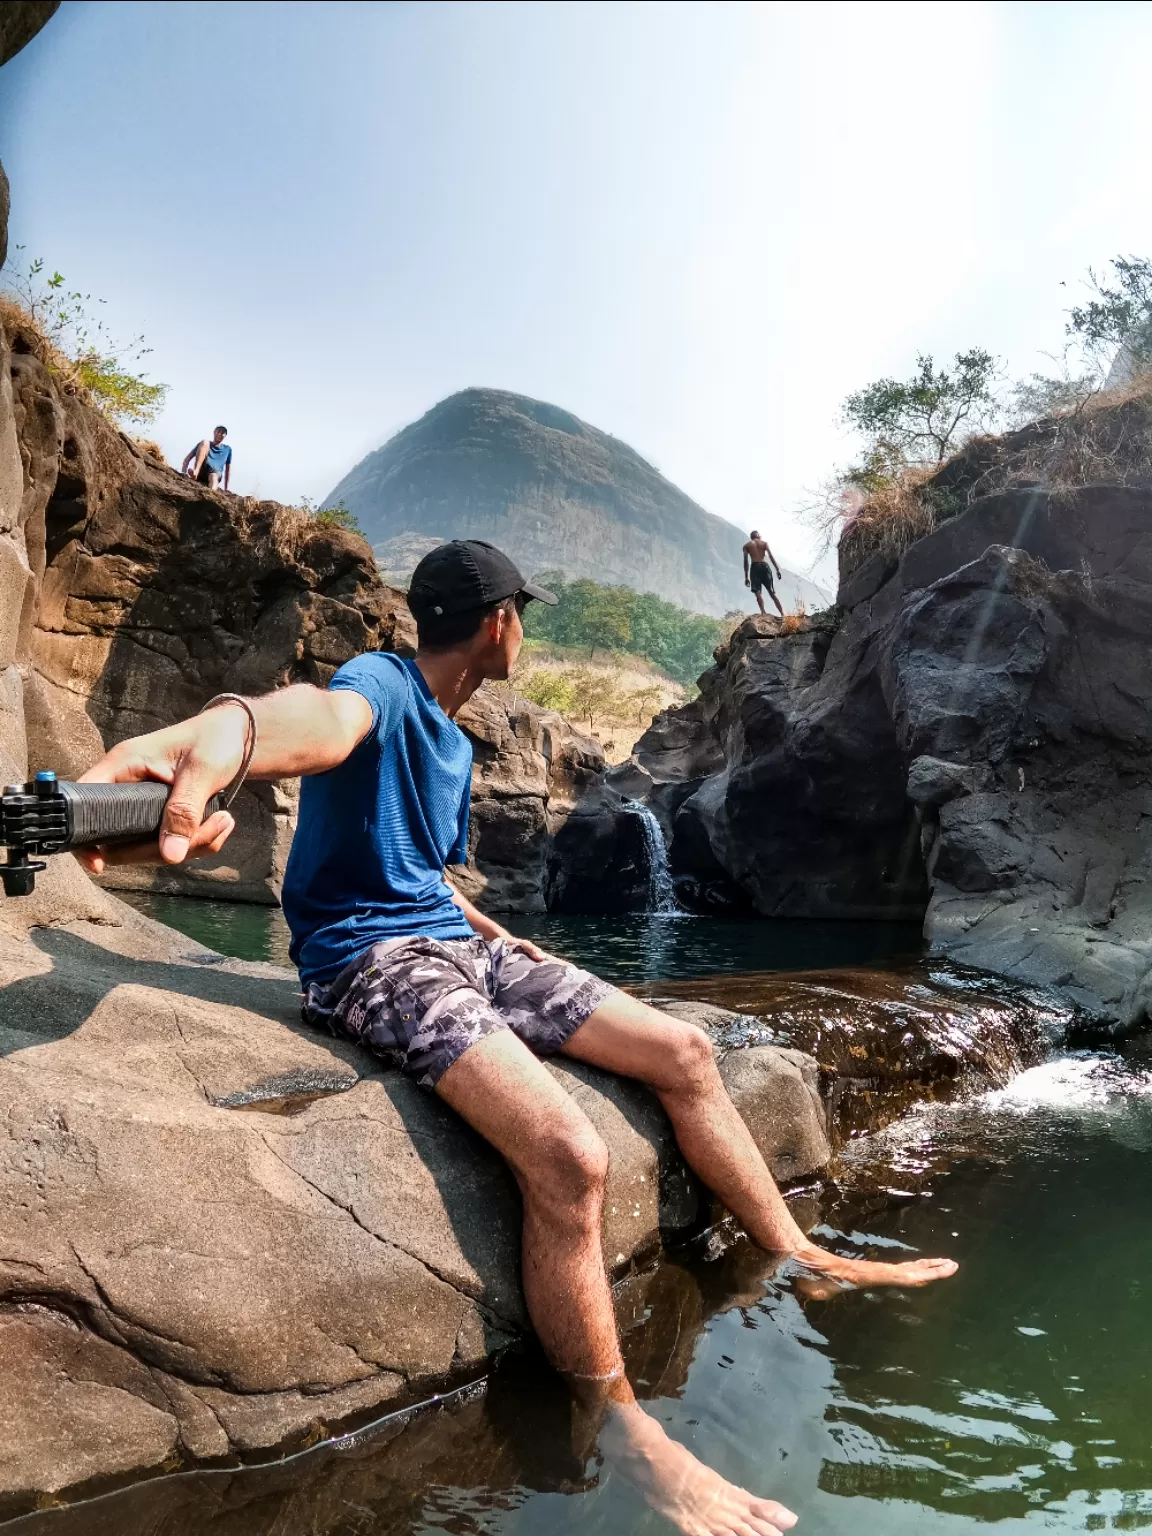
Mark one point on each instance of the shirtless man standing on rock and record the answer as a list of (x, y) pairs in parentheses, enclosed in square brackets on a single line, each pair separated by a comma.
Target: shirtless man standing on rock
[(756, 572), (392, 957)]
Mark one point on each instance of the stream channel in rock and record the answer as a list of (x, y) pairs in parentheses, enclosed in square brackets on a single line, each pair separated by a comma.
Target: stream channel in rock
[(1014, 1396)]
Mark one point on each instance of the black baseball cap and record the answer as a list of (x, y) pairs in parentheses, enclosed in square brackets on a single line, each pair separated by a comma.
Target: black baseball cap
[(466, 574)]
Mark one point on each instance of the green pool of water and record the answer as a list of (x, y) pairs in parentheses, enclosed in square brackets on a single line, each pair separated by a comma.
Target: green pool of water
[(626, 948)]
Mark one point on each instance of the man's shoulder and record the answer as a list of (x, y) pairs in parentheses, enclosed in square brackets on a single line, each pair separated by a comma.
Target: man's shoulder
[(378, 670), (382, 678), (376, 664)]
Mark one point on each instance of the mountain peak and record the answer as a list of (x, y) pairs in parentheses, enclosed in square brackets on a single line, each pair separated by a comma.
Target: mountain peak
[(552, 490)]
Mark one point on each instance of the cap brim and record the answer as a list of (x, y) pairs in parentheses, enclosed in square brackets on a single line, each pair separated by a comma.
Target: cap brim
[(541, 594)]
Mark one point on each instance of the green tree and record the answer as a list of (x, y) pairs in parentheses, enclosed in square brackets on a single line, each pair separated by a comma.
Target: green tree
[(593, 616), (1038, 396), (595, 694), (109, 371), (608, 617), (337, 516), (1109, 335), (1120, 314), (549, 689), (923, 419)]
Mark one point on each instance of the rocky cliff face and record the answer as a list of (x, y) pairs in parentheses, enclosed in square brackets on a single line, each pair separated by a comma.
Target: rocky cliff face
[(141, 595), (546, 834), (556, 493), (967, 737), (156, 594)]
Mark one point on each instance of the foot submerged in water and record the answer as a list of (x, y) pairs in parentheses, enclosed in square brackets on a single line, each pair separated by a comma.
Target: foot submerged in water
[(823, 1274), (693, 1498)]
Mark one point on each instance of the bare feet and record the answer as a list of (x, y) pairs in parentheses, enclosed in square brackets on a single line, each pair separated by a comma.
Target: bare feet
[(825, 1274), (696, 1500)]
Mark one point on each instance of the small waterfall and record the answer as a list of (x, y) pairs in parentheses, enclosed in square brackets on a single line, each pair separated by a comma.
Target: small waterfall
[(661, 895)]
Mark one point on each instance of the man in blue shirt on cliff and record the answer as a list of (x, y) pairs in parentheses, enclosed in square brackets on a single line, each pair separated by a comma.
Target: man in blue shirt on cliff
[(391, 956), (213, 461)]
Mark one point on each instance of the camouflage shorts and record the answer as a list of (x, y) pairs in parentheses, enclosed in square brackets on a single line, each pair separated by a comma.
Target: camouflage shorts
[(420, 1003)]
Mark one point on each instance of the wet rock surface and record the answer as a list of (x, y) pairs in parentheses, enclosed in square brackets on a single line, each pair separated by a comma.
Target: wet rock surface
[(882, 1040)]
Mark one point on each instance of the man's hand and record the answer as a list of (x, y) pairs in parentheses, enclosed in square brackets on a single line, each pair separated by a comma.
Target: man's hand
[(533, 951), (747, 581), (197, 758)]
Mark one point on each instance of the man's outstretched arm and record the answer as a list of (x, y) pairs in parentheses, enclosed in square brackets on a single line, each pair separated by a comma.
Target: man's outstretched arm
[(300, 730), (747, 557), (774, 561)]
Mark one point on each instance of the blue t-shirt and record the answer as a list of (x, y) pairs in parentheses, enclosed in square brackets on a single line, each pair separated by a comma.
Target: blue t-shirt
[(219, 457), (375, 833)]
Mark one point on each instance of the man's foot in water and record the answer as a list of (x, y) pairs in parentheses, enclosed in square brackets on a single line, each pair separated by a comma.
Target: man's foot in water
[(823, 1274), (696, 1500)]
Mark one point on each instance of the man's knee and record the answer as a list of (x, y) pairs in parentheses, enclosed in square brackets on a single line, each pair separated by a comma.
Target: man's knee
[(568, 1164), (691, 1059)]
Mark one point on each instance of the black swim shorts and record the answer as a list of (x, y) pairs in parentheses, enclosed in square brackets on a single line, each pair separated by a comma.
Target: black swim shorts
[(760, 576), (420, 1003)]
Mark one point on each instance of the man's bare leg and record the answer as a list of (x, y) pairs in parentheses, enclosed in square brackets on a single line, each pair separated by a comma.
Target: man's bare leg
[(561, 1165), (779, 604), (676, 1060), (759, 596)]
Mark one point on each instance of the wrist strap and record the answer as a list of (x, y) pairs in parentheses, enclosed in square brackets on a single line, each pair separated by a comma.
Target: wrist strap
[(250, 751)]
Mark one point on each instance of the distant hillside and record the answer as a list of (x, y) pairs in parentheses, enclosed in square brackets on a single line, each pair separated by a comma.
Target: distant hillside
[(554, 492)]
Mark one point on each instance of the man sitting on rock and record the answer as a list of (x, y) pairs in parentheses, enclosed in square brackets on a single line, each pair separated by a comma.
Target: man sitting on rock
[(213, 461), (392, 957), (756, 572)]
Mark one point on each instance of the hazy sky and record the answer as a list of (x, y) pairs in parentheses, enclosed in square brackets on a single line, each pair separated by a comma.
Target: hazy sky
[(698, 226)]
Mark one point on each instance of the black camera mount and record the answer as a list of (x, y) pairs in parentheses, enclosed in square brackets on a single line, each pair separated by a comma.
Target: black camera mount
[(50, 815)]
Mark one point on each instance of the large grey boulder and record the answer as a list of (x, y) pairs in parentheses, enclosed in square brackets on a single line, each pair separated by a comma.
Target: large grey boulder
[(544, 833)]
